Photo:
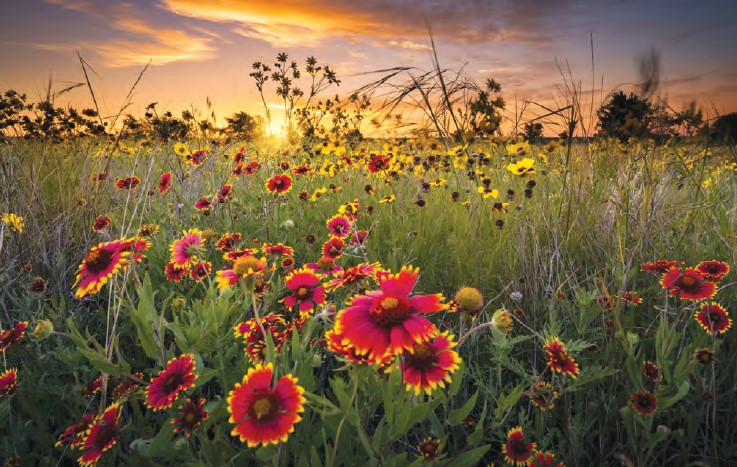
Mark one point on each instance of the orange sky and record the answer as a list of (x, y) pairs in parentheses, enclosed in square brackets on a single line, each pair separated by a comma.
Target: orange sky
[(202, 50)]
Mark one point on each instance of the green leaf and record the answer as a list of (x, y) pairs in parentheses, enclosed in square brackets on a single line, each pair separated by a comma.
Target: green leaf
[(455, 385), (144, 318), (506, 402), (471, 457), (161, 444), (456, 417), (96, 355), (680, 394), (478, 433)]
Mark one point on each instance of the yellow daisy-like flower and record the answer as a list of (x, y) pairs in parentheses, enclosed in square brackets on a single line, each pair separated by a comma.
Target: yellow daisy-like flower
[(488, 192), (14, 222), (520, 148), (388, 199), (181, 149), (524, 167)]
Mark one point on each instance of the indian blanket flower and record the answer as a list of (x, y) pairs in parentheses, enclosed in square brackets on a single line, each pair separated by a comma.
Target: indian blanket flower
[(279, 184), (148, 230), (429, 364), (353, 275), (243, 268), (13, 221), (9, 337), (278, 250), (544, 459), (689, 284), (136, 245), (517, 450), (252, 333), (228, 242), (165, 387), (101, 436), (389, 320), (644, 402), (192, 414), (543, 395), (325, 265), (100, 264), (127, 385), (429, 448), (713, 318), (306, 293), (378, 163), (164, 183), (388, 199), (129, 183), (8, 382), (93, 387), (265, 413), (225, 193), (704, 356), (338, 226), (713, 270), (524, 167), (37, 285), (175, 272), (240, 253), (75, 434), (630, 297), (558, 358), (203, 204), (359, 237), (101, 222), (650, 370), (186, 249), (200, 270), (333, 248), (334, 342), (661, 266)]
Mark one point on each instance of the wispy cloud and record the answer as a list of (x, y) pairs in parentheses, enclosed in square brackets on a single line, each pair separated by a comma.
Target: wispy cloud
[(395, 22), (137, 40)]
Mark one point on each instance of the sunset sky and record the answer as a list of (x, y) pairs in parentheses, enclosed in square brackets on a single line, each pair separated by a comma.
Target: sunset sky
[(202, 49)]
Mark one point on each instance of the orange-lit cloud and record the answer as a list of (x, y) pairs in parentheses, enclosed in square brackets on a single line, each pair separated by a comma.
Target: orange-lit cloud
[(139, 40), (396, 23)]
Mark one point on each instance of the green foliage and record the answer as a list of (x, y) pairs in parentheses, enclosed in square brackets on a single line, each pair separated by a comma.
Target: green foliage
[(628, 204)]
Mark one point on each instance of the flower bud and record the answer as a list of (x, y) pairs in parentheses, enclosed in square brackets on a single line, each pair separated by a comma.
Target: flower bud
[(43, 329), (502, 321)]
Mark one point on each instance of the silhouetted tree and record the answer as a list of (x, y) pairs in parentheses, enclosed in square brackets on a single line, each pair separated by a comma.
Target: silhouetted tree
[(485, 110), (245, 126), (533, 131), (724, 129), (626, 116)]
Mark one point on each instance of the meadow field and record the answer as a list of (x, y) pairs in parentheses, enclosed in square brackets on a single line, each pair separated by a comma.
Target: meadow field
[(367, 302)]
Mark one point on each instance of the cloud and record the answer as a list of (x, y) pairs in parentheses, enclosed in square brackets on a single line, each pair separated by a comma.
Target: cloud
[(394, 22), (138, 41)]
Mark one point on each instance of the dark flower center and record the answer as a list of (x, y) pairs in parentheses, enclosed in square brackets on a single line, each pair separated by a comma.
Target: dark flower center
[(519, 448), (172, 382), (713, 318), (429, 449), (423, 358), (105, 434), (390, 311), (644, 402), (264, 408), (303, 293), (687, 283), (98, 260)]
